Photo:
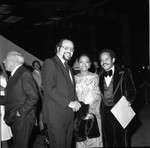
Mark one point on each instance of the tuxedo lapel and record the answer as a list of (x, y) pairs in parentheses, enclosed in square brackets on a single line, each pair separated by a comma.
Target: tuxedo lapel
[(117, 76)]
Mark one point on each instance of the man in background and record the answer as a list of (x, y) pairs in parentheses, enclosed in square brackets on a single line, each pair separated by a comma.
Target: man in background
[(37, 76), (21, 99)]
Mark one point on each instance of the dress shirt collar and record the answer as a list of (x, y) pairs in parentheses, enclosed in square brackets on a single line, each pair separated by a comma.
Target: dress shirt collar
[(14, 70), (62, 60)]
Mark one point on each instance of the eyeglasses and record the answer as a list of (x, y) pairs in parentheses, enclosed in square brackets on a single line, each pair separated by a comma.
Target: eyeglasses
[(67, 48)]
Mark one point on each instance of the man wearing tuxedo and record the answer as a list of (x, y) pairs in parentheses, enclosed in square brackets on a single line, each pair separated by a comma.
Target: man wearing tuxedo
[(21, 98), (60, 101), (115, 82)]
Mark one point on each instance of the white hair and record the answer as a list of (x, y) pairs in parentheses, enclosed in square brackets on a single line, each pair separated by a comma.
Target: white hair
[(17, 56)]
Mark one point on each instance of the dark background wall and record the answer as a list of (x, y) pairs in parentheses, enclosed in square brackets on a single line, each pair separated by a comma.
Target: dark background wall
[(121, 25)]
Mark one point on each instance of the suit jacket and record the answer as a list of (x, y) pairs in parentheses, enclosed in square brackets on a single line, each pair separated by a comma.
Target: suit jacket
[(126, 86), (59, 90), (21, 95)]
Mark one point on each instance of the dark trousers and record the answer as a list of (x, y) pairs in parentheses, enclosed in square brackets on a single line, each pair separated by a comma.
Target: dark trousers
[(113, 133), (60, 135), (21, 130)]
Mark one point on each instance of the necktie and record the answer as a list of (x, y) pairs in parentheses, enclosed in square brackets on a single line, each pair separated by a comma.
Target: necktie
[(67, 67), (108, 73)]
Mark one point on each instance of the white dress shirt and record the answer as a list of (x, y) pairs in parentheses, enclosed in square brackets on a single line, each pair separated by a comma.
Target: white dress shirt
[(108, 78)]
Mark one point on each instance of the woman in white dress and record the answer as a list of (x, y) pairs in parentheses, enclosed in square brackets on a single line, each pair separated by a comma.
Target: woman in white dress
[(87, 88), (6, 133)]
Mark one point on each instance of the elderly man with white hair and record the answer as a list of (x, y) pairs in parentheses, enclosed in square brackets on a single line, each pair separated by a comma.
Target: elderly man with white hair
[(21, 99)]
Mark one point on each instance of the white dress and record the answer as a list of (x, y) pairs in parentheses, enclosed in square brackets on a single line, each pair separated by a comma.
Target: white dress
[(87, 89), (6, 132)]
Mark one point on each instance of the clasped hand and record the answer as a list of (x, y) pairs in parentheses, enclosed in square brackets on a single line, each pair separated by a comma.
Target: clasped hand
[(75, 105)]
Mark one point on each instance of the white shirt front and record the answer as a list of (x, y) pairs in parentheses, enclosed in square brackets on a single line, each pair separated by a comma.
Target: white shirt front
[(108, 78)]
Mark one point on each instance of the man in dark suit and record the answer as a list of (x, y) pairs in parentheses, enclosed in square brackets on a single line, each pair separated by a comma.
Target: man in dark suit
[(21, 98), (60, 101), (115, 82)]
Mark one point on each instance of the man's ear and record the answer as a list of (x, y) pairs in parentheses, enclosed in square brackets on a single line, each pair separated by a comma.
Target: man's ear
[(57, 49), (113, 60)]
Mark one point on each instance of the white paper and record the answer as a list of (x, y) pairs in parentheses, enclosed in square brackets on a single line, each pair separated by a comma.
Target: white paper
[(123, 112)]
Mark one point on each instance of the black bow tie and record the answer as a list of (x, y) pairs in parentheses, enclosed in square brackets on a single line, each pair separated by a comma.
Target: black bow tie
[(108, 73)]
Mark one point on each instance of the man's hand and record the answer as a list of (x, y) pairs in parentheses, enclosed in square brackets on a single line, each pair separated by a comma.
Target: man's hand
[(128, 104), (17, 114), (75, 105)]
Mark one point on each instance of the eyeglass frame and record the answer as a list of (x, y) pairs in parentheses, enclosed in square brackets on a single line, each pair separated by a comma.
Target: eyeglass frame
[(66, 48)]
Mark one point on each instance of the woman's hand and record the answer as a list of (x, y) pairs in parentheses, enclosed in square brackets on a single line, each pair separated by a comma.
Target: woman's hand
[(89, 116)]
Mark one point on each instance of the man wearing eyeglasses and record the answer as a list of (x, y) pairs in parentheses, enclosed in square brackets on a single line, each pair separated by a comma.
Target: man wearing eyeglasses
[(60, 100)]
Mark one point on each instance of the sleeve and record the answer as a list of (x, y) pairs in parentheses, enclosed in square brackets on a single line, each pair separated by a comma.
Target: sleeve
[(92, 93), (129, 89), (95, 87)]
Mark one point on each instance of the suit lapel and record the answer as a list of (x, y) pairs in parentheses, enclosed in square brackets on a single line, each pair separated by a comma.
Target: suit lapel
[(12, 79), (17, 72), (58, 61), (72, 75)]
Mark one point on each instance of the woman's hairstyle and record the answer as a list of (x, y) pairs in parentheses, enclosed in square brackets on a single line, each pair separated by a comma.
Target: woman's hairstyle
[(84, 54)]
